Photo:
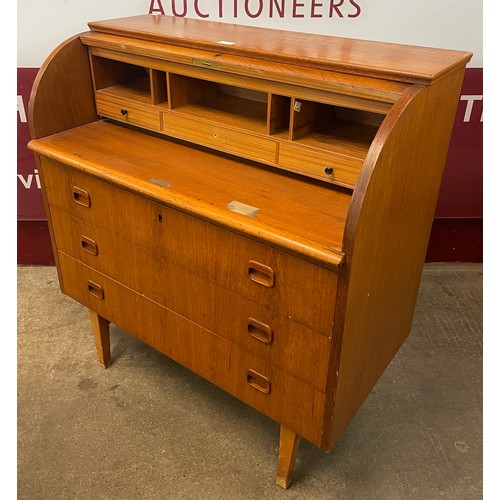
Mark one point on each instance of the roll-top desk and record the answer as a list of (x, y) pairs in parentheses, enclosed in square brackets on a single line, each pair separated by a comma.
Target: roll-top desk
[(255, 204)]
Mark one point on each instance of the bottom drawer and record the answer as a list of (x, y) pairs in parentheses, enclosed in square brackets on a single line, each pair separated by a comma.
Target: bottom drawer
[(278, 395)]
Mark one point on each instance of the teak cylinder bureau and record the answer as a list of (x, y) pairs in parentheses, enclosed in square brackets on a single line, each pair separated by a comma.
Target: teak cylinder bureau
[(255, 204)]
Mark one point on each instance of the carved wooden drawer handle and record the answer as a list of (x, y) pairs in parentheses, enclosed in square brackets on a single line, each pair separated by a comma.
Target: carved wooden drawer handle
[(261, 274), (89, 245), (258, 381), (81, 196), (95, 289), (260, 331)]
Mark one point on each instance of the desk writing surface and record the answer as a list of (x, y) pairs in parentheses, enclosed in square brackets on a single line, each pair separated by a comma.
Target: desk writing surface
[(311, 213)]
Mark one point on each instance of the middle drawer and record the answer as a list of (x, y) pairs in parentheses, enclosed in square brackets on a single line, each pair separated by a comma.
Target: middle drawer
[(220, 138), (293, 347)]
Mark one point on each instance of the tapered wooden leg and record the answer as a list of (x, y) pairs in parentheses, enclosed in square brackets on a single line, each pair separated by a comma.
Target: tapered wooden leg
[(289, 449), (100, 329)]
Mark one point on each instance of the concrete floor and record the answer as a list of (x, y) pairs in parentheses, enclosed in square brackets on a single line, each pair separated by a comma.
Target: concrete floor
[(146, 428)]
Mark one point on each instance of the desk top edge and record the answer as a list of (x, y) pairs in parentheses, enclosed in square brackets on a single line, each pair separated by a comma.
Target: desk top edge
[(398, 62)]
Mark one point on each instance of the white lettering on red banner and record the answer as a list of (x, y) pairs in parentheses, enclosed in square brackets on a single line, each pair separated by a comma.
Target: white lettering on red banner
[(27, 181), (471, 100), (21, 110)]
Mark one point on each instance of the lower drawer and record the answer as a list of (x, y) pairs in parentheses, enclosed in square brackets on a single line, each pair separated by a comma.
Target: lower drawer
[(291, 346), (278, 395)]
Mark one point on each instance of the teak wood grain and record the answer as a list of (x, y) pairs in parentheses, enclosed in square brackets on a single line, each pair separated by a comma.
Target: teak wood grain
[(126, 110), (321, 87), (359, 57), (199, 350), (289, 450), (215, 254), (100, 329), (310, 218), (347, 84), (258, 212), (290, 345), (62, 96), (386, 238), (228, 112)]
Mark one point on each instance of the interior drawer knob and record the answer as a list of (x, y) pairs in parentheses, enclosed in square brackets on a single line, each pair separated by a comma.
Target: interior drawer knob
[(258, 381), (81, 196), (261, 274), (123, 112)]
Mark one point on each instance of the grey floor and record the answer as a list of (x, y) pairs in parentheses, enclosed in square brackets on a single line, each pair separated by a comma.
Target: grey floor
[(146, 428)]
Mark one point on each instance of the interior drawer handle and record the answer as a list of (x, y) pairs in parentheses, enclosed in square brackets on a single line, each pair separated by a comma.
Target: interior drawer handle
[(81, 196), (260, 331), (258, 381), (261, 274), (95, 289), (89, 245)]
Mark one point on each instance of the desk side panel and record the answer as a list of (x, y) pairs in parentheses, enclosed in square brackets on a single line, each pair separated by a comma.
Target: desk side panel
[(385, 242), (62, 95)]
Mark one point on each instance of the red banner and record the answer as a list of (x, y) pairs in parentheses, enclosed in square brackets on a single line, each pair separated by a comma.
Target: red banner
[(461, 194), (29, 197)]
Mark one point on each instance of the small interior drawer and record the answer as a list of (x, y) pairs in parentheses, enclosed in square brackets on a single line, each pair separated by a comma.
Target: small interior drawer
[(220, 138), (323, 166), (134, 113)]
